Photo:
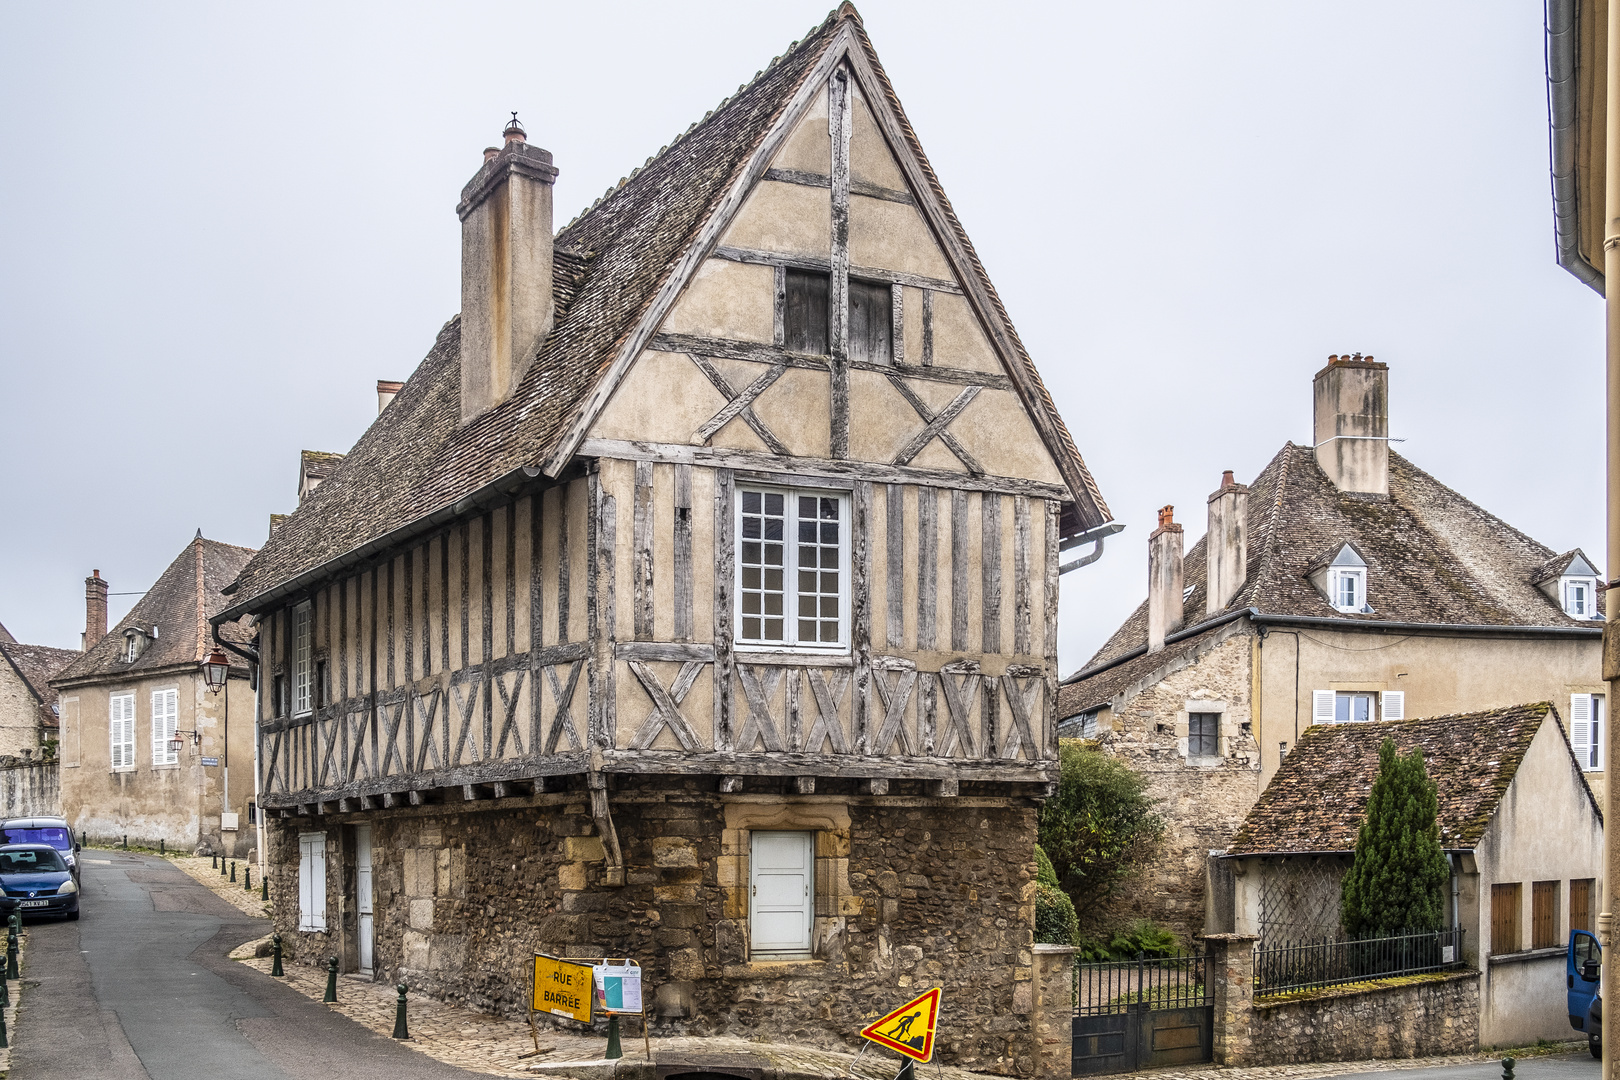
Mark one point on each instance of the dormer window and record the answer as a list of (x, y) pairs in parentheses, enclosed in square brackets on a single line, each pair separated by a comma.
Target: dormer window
[(1580, 597), (1343, 580), (135, 642)]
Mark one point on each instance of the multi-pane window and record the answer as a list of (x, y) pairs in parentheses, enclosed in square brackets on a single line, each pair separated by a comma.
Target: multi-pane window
[(791, 571), (165, 721), (871, 322), (804, 315), (1349, 588), (1352, 708), (1505, 918), (1544, 915), (1203, 734), (1582, 891), (121, 730), (302, 669), (1580, 597)]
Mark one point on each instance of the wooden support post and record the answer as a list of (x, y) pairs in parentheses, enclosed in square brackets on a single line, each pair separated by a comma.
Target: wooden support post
[(730, 784)]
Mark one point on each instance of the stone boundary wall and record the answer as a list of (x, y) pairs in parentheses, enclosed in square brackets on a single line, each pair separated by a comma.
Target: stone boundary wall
[(1418, 1019), (31, 790)]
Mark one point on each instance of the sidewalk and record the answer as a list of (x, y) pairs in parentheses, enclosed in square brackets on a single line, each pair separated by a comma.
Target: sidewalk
[(231, 892), (500, 1047)]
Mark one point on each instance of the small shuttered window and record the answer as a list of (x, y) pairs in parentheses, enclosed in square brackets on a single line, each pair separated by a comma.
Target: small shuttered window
[(1544, 915), (1582, 891), (804, 316), (302, 668), (1586, 730), (871, 322), (121, 730), (312, 881), (1505, 918), (165, 721)]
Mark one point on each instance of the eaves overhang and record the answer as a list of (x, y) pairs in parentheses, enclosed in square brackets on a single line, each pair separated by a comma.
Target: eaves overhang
[(1576, 37)]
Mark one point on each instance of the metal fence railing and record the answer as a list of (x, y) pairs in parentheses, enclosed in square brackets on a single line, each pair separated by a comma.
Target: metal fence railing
[(1280, 967), (1165, 982)]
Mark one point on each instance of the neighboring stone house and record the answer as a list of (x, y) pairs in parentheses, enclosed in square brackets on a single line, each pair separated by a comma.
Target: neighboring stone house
[(28, 708), (134, 689), (693, 601), (1346, 585), (1522, 832)]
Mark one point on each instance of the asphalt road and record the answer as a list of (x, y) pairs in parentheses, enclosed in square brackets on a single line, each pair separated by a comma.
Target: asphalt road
[(1580, 1066), (140, 989)]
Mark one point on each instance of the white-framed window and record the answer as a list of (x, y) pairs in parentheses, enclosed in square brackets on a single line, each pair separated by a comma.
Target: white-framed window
[(121, 731), (302, 669), (132, 648), (1587, 715), (1356, 706), (165, 720), (792, 569), (781, 869), (1348, 588), (1580, 597), (312, 881)]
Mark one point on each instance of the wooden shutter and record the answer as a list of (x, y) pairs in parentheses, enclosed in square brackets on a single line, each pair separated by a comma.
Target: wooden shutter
[(781, 869), (1392, 705), (804, 318), (871, 322), (1580, 904), (1321, 706), (1580, 728), (1544, 915), (1505, 918), (312, 881)]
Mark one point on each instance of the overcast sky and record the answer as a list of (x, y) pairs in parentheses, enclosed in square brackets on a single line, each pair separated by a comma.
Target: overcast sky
[(221, 224)]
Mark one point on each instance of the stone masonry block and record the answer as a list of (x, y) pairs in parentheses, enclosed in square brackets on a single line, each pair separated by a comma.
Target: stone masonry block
[(421, 914), (571, 876), (584, 849)]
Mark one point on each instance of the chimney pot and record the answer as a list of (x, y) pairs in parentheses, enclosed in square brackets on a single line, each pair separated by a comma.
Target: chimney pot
[(514, 131), (490, 152), (95, 610), (1167, 516), (386, 389), (1226, 479)]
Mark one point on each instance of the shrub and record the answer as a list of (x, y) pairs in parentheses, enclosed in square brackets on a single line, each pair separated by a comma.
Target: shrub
[(1043, 868), (1055, 920), (1398, 879), (1141, 938), (1100, 826)]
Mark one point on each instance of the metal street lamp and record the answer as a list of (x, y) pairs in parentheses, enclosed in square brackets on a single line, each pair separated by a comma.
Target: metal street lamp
[(216, 669), (177, 743)]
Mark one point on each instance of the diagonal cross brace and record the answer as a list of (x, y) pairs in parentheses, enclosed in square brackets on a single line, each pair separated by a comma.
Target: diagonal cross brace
[(894, 710), (562, 698), (759, 689), (739, 405), (828, 689), (666, 705), (936, 425)]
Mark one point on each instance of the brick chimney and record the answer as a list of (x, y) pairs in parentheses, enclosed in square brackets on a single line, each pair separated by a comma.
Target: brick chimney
[(506, 252), (1226, 545), (386, 389), (1164, 579), (95, 611), (1352, 423)]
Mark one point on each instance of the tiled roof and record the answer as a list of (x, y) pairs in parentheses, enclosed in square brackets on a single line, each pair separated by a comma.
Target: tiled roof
[(5, 635), (417, 458), (179, 604), (1432, 556), (38, 665), (1555, 566), (1318, 797), (1086, 694)]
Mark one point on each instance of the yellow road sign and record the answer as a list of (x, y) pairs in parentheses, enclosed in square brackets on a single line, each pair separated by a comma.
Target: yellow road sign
[(562, 988), (910, 1028)]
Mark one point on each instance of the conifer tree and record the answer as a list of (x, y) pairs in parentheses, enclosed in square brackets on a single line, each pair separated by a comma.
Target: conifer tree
[(1398, 880)]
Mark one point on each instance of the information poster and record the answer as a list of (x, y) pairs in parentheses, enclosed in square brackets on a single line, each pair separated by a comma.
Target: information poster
[(618, 988)]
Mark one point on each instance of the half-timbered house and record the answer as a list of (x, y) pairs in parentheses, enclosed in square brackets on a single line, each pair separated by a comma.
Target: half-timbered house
[(695, 599)]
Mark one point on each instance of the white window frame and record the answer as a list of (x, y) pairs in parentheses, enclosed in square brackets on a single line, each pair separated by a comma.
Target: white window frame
[(121, 731), (312, 873), (303, 667), (132, 648), (1589, 587), (800, 944), (1356, 576), (165, 722), (1587, 715), (790, 571)]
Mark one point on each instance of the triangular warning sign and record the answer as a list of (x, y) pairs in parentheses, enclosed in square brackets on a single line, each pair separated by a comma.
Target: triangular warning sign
[(910, 1028)]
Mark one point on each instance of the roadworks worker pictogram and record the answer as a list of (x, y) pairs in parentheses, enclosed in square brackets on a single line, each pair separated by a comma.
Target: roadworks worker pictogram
[(908, 1030)]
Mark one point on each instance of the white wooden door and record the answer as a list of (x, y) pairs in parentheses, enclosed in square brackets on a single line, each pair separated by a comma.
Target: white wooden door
[(782, 869), (362, 884)]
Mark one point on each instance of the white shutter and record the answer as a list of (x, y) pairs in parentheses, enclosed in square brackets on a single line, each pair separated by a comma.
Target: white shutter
[(165, 722), (1392, 705), (312, 881), (1580, 728), (1321, 706), (121, 730), (781, 868)]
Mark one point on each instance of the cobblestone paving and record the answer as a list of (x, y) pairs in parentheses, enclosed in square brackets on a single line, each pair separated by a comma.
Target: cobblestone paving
[(232, 892), (1338, 1068)]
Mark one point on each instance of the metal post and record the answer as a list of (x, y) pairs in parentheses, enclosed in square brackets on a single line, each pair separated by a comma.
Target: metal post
[(233, 871), (331, 981), (275, 951), (1507, 1068), (222, 866), (126, 841), (613, 1050), (247, 877), (161, 849), (264, 888), (213, 862), (400, 1030), (12, 925), (908, 1071)]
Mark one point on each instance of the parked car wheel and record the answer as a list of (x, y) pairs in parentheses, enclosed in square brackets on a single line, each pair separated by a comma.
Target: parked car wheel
[(1595, 1044)]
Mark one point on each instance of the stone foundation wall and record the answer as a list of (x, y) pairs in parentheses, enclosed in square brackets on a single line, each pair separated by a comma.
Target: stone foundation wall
[(910, 892), (1416, 1020)]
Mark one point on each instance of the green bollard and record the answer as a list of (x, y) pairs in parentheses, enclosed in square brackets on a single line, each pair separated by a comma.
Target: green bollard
[(161, 850), (11, 947), (233, 871), (4, 1042), (275, 953), (247, 878), (213, 862), (613, 1050), (222, 866), (126, 841), (331, 981), (400, 1030), (1507, 1068), (264, 889)]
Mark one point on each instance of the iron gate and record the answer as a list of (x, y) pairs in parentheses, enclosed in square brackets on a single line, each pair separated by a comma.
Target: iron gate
[(1141, 1014)]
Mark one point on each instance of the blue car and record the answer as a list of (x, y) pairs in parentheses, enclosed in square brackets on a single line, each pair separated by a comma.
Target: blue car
[(1584, 980), (37, 877)]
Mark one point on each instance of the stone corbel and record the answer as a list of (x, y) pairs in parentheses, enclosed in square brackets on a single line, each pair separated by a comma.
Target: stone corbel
[(604, 825)]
